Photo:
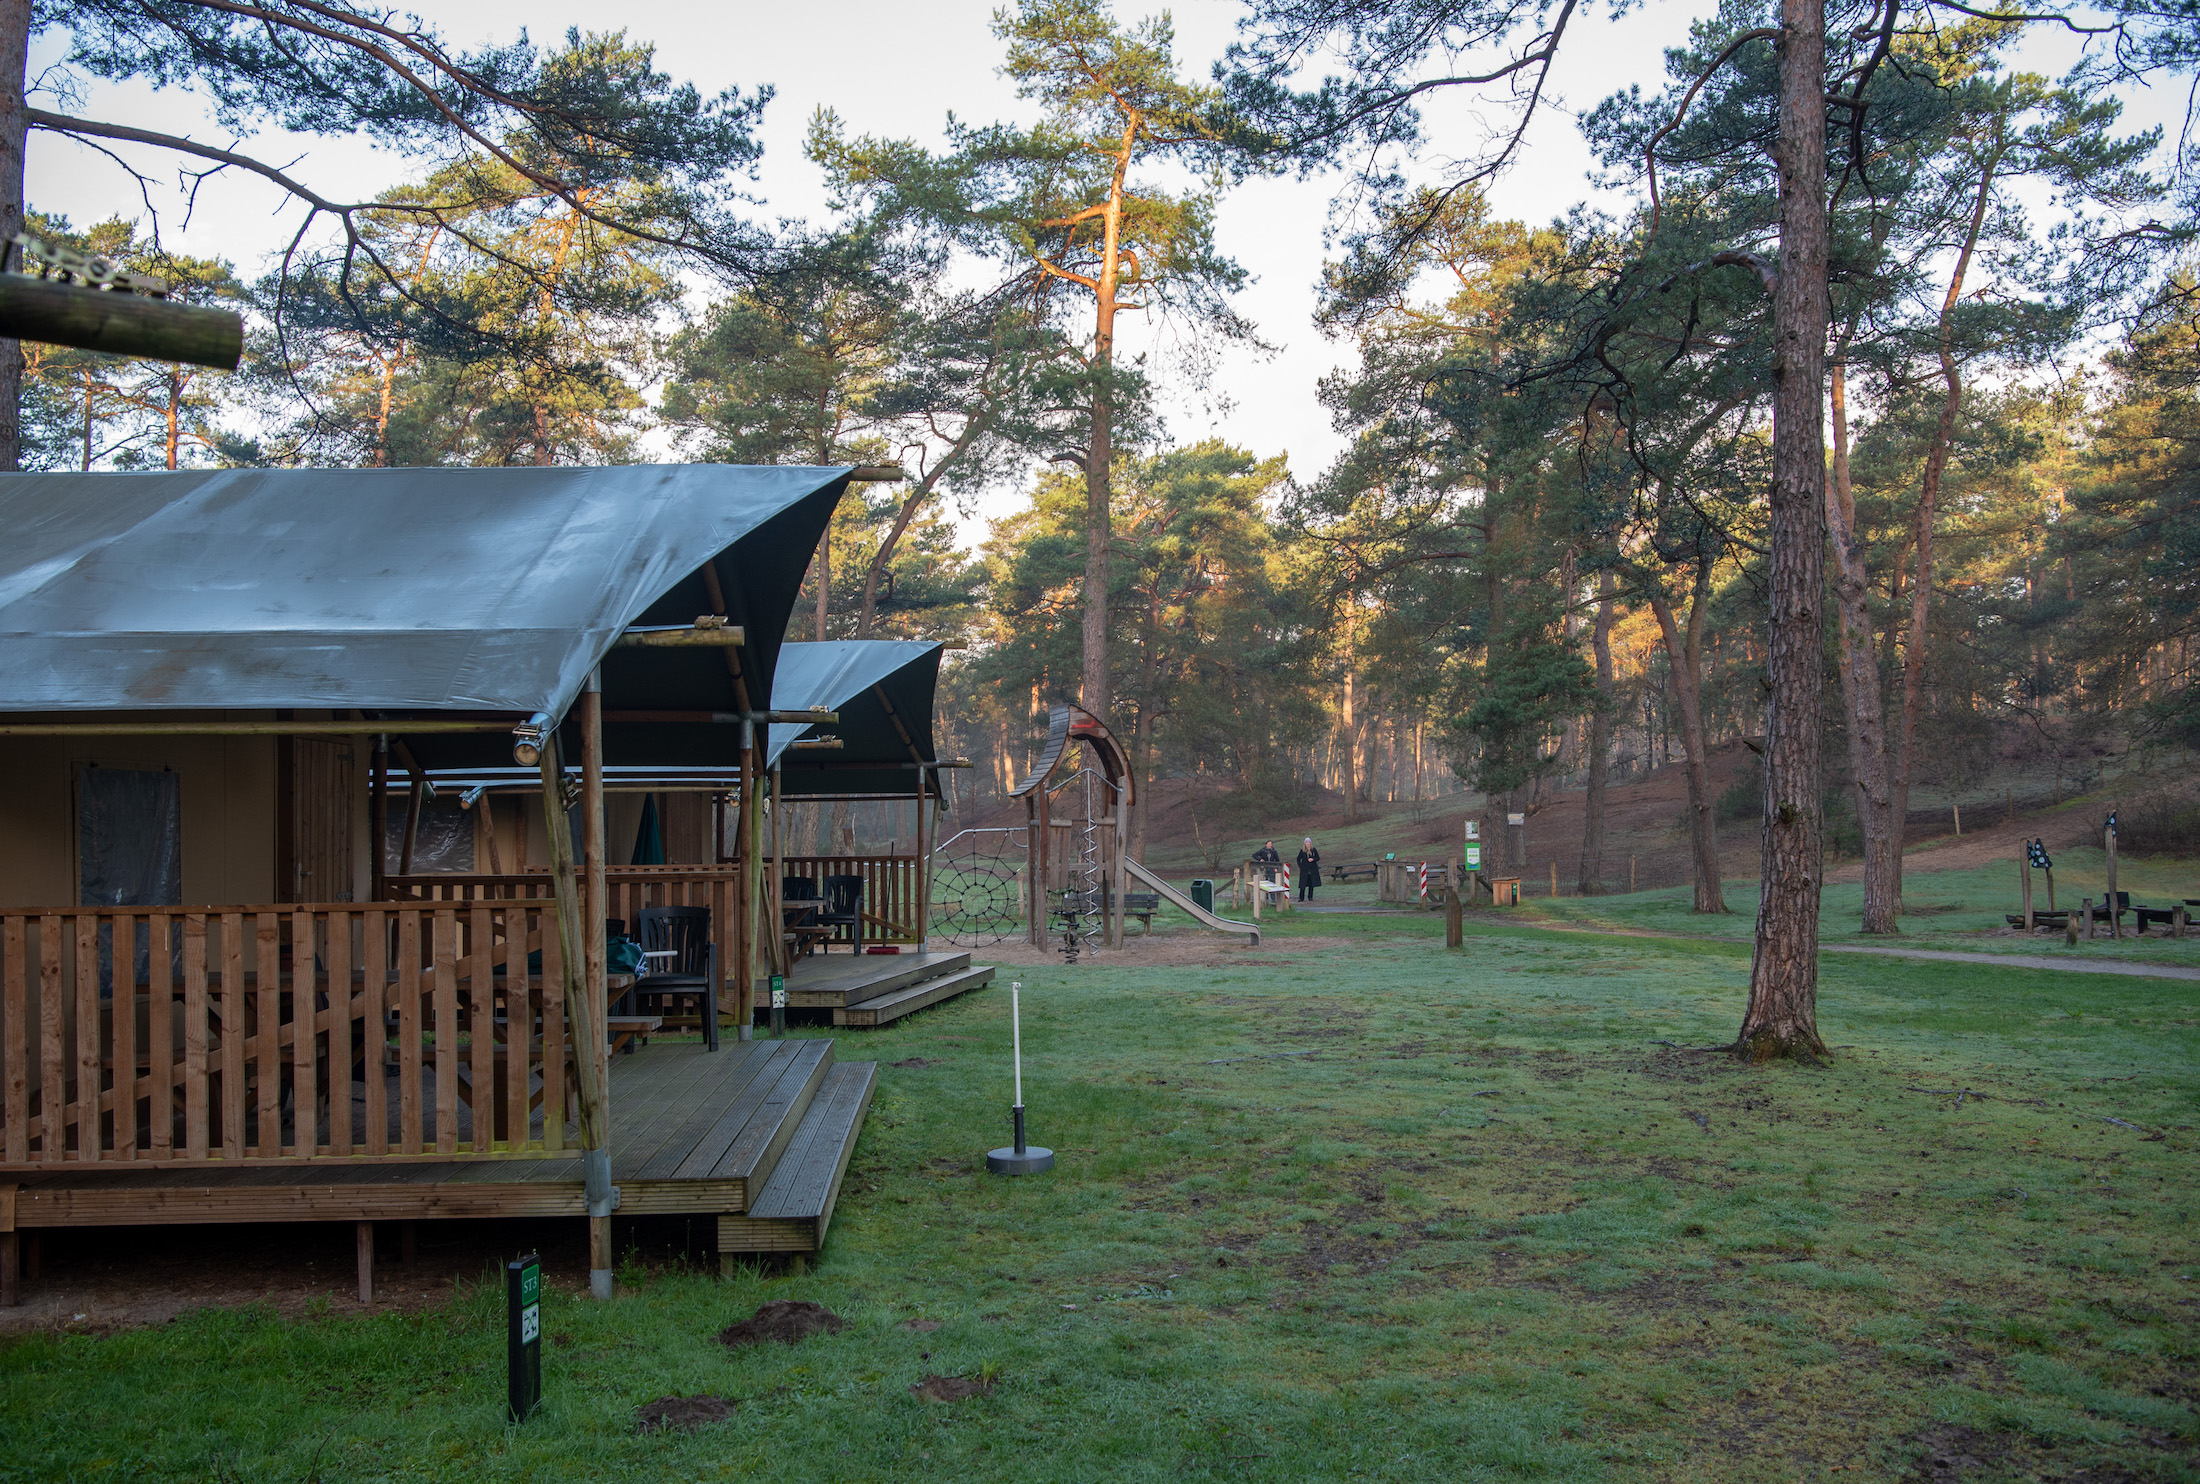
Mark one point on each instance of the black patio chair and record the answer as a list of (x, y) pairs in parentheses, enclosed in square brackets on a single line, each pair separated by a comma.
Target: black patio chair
[(844, 908), (692, 973)]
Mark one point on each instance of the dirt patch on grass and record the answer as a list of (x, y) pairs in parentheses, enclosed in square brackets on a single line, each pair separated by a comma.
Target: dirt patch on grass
[(919, 1326), (915, 1062), (951, 1388), (788, 1321), (1949, 1450), (681, 1413)]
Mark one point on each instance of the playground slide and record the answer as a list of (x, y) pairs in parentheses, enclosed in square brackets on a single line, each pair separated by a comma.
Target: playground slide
[(1186, 905)]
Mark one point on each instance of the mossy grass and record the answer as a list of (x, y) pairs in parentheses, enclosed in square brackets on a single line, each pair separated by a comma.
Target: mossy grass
[(1508, 1219)]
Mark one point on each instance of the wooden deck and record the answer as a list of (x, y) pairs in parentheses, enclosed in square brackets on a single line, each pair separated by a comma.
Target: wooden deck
[(872, 989), (693, 1132)]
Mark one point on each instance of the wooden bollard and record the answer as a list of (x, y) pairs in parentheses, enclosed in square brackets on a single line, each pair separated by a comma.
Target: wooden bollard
[(2085, 905)]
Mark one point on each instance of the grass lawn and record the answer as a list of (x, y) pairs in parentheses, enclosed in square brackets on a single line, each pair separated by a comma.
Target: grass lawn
[(1963, 910), (1356, 1209)]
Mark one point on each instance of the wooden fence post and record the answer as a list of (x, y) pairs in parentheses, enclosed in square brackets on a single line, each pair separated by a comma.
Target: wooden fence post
[(2085, 905), (1554, 879)]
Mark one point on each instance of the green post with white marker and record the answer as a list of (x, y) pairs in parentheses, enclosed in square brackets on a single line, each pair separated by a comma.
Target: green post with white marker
[(523, 1335)]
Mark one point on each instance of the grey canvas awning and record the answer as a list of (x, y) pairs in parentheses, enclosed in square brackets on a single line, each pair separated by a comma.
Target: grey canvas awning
[(883, 690), (399, 592)]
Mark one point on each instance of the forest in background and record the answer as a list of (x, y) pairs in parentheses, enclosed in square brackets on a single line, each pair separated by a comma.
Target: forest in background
[(1541, 564)]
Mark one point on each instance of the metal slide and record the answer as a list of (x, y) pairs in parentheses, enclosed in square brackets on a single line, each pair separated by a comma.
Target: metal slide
[(1186, 905)]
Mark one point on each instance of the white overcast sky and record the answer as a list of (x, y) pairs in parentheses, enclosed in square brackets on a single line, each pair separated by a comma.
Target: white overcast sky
[(895, 69)]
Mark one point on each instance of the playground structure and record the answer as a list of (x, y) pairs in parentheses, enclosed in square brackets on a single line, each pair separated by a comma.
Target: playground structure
[(1083, 852), (1066, 870)]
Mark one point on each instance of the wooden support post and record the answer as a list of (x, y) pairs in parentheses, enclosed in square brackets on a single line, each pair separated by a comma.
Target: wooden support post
[(489, 833), (780, 958), (2085, 905), (1455, 923), (378, 819), (1554, 879), (2115, 918), (584, 1014), (2024, 877), (1630, 873), (928, 828), (11, 1255), (1956, 809), (413, 800), (752, 878), (2050, 888), (366, 1262)]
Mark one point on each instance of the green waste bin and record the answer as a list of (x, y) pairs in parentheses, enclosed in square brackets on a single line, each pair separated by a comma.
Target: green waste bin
[(1203, 894)]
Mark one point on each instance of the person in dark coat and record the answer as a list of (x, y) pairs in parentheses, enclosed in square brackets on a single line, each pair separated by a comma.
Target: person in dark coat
[(1268, 859), (1310, 869)]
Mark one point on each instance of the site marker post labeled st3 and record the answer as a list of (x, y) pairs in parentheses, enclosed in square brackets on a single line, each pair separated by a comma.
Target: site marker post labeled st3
[(523, 1335)]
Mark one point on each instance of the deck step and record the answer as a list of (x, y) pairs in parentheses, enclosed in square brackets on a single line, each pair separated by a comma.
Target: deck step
[(755, 1154), (795, 1206), (902, 1001), (824, 983)]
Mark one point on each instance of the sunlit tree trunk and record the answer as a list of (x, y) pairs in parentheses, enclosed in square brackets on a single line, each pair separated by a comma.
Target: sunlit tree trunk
[(1684, 655), (1599, 760), (1928, 507), (1859, 670)]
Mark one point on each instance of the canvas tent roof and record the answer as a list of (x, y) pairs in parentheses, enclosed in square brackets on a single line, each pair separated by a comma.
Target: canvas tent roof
[(883, 690), (398, 590)]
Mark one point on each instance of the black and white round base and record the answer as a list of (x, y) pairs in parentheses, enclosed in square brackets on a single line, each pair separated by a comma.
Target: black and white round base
[(1026, 1161), (1018, 1158)]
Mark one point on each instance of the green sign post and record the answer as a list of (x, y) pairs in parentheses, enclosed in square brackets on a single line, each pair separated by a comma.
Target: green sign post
[(523, 1335), (779, 1004)]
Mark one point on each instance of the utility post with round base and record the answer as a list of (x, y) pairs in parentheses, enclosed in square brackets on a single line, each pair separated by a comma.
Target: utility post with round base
[(1019, 1158)]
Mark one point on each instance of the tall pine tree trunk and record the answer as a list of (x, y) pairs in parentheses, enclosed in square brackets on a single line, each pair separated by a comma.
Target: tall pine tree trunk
[(1684, 654), (1928, 509), (1782, 1017), (1599, 761), (1100, 453), (15, 43), (1860, 693)]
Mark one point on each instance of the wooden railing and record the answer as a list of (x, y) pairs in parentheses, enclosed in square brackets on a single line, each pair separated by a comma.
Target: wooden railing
[(891, 907), (157, 1036), (629, 888), (890, 898)]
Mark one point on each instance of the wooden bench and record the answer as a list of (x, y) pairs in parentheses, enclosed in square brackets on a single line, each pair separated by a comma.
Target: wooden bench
[(1142, 905), (2170, 917), (2043, 918), (625, 1030)]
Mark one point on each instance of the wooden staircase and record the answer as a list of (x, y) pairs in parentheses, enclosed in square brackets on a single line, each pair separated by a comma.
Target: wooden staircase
[(788, 1140), (872, 989)]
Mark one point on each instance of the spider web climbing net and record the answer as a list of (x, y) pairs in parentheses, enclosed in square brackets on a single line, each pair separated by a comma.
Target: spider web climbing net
[(977, 900)]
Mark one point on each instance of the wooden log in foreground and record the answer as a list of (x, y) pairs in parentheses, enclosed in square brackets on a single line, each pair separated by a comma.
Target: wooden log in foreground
[(117, 323)]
